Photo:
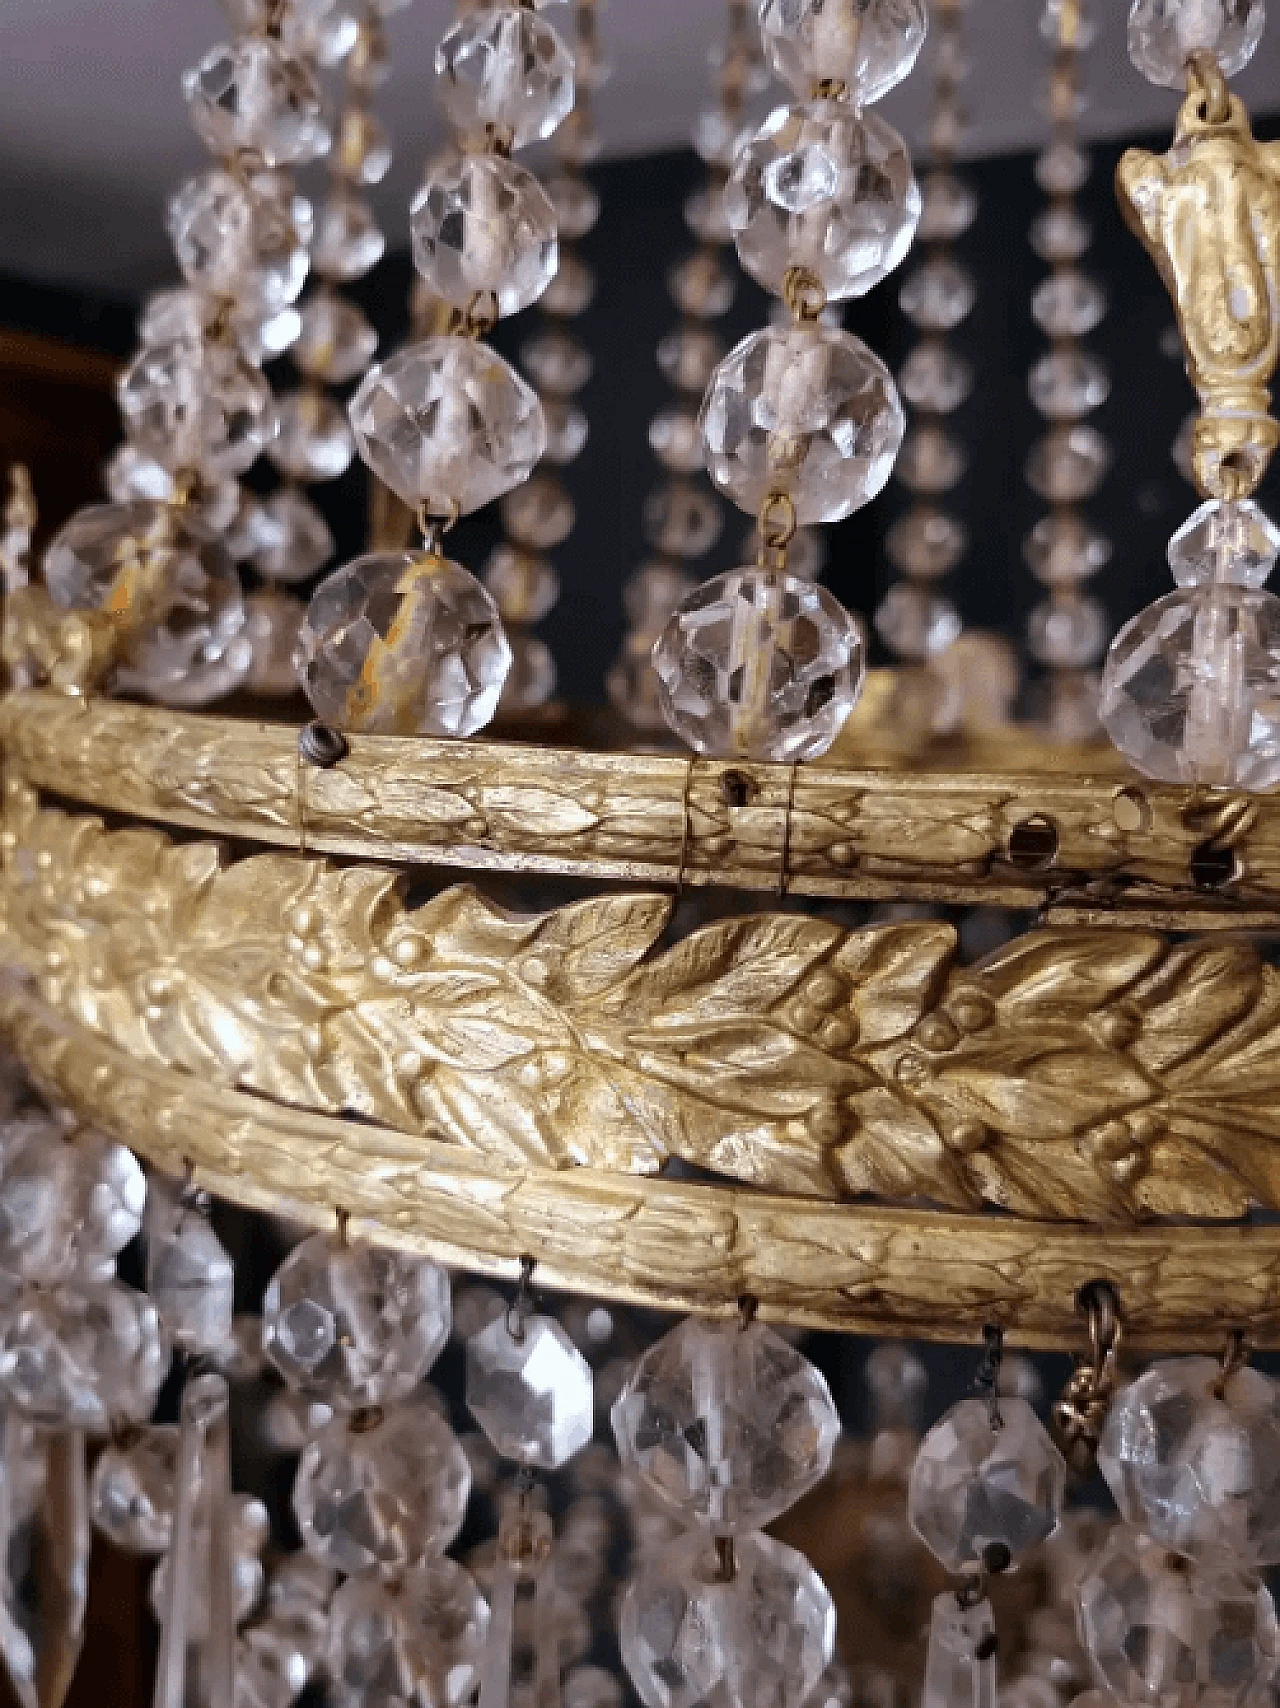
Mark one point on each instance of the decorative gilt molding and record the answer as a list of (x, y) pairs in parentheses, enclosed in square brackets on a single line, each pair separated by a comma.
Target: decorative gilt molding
[(843, 832), (1102, 1076)]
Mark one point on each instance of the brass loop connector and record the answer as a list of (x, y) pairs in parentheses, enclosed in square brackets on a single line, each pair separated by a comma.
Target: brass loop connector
[(1081, 1408), (433, 526), (803, 294), (480, 315), (777, 522), (1206, 84), (829, 89), (1235, 1355)]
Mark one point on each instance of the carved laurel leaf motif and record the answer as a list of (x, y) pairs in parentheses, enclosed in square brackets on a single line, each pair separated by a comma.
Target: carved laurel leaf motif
[(1075, 1074)]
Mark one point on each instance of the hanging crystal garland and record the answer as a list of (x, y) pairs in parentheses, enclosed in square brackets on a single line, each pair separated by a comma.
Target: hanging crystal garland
[(1189, 688), (914, 620), (539, 515), (800, 423), (1067, 631), (682, 520), (410, 642)]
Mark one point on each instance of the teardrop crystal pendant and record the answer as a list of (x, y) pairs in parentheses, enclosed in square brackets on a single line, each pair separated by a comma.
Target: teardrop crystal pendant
[(44, 1559)]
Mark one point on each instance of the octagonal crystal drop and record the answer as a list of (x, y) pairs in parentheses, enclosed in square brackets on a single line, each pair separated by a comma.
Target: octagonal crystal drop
[(760, 1640), (530, 1392), (189, 1274), (868, 45), (131, 1498), (759, 664), (382, 1494), (728, 1425), (507, 68), (827, 188), (398, 643), (1168, 1632), (191, 404), (251, 96), (483, 223), (419, 1642), (354, 1326), (807, 411), (1198, 1469), (1191, 688), (448, 421), (1162, 33), (972, 1485), (241, 240)]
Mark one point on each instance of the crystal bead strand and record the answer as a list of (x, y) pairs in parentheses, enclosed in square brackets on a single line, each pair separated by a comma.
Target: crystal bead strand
[(410, 643), (914, 620), (1189, 691), (1067, 631), (682, 520), (727, 1426), (539, 515), (801, 423)]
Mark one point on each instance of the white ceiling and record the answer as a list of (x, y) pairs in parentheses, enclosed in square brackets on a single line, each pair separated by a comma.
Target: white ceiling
[(93, 132)]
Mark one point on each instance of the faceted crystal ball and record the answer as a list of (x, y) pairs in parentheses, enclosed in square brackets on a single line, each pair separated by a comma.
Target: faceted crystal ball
[(448, 421), (1172, 1633), (728, 1425), (827, 188), (483, 223), (335, 341), (804, 410), (271, 1669), (418, 1641), (399, 643), (67, 1206), (131, 1497), (272, 623), (242, 240), (757, 664), (761, 1640), (251, 96), (1197, 1471), (354, 1326), (973, 1486), (530, 1392), (1163, 33), (1191, 688), (291, 538), (382, 1492), (505, 68), (192, 404), (868, 45), (87, 1357), (314, 439), (348, 242)]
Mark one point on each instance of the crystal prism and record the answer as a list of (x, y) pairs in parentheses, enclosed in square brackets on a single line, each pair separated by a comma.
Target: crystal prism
[(531, 1391), (960, 1668), (189, 1274), (44, 1567)]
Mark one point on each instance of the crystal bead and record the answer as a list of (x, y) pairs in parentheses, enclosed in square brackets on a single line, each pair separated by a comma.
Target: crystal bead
[(1063, 550), (199, 652), (931, 459), (241, 240), (271, 1671), (652, 594), (556, 362), (250, 96), (592, 1687), (132, 1493), (272, 622), (759, 665), (335, 342), (1226, 542), (531, 680), (354, 1326), (1194, 1460), (926, 543), (1068, 464), (729, 1425), (348, 242), (314, 440), (531, 1391), (632, 685), (718, 135), (484, 224), (1062, 169), (688, 356), (973, 1486), (383, 1492), (1068, 383), (705, 215), (362, 148), (184, 315), (101, 544), (399, 643), (67, 1206), (539, 514), (240, 1358), (681, 520), (571, 289), (196, 406), (1068, 304), (948, 208), (702, 286), (868, 45), (291, 539), (447, 421), (131, 476), (289, 1421), (1058, 15), (809, 412), (190, 1277), (300, 1583), (938, 295), (689, 1637), (507, 68), (915, 623), (827, 188), (419, 1641), (1067, 635), (323, 30), (247, 1527), (948, 123), (524, 588), (935, 377), (1060, 233), (1191, 688), (82, 1358), (676, 439), (575, 203), (1164, 33), (577, 143), (960, 1665), (1162, 1631), (566, 428)]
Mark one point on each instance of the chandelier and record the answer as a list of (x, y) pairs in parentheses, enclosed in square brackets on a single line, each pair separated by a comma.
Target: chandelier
[(722, 1022)]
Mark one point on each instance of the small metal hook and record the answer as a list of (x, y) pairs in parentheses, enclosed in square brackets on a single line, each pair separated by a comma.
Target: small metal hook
[(987, 1379)]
